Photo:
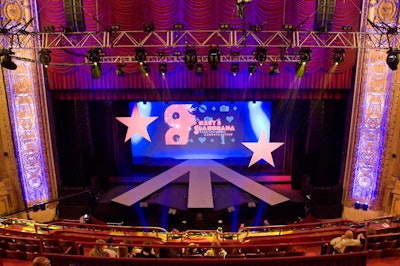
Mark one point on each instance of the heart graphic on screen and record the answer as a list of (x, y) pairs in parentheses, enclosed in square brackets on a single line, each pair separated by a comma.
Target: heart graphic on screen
[(229, 118), (202, 139)]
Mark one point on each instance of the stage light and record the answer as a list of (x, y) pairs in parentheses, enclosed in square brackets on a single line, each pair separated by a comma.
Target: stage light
[(365, 206), (42, 206), (252, 68), (177, 53), (140, 55), (94, 55), (300, 69), (120, 70), (260, 55), (338, 55), (357, 205), (347, 27), (190, 58), (235, 68), (145, 69), (114, 28), (274, 70), (224, 26), (287, 27), (148, 27), (96, 71), (214, 57), (305, 55), (49, 28), (35, 208), (177, 26), (162, 68), (392, 59), (44, 57), (231, 209), (7, 62), (199, 69), (251, 204)]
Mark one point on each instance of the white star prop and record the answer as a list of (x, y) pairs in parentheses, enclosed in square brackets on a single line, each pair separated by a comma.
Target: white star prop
[(262, 149), (136, 124)]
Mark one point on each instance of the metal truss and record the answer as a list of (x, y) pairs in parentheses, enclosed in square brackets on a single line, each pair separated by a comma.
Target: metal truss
[(169, 40)]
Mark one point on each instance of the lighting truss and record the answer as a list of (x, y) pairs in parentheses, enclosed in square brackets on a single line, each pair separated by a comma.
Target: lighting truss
[(162, 40), (200, 38)]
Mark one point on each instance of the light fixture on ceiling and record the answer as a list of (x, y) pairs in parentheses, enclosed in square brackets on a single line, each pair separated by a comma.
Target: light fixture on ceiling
[(234, 69), (260, 55), (224, 26), (44, 57), (392, 59), (190, 57), (114, 28), (177, 26), (305, 55), (338, 55), (214, 57), (162, 68), (252, 68), (94, 56), (274, 69), (148, 27), (140, 55), (145, 69), (120, 71), (7, 62)]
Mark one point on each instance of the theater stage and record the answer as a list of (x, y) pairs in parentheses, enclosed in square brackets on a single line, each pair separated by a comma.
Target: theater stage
[(168, 206)]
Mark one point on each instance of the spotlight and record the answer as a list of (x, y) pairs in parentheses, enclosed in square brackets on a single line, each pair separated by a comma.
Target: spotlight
[(274, 70), (96, 71), (120, 70), (260, 55), (252, 68), (338, 55), (347, 27), (177, 26), (392, 59), (199, 69), (7, 61), (287, 27), (190, 58), (305, 55), (114, 28), (35, 208), (44, 57), (94, 55), (357, 205), (162, 68), (145, 69), (214, 57), (177, 53), (140, 55), (235, 68), (365, 206), (231, 209), (148, 27), (224, 26), (49, 28)]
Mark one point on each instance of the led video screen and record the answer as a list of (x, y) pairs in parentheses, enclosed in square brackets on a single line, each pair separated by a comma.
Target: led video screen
[(206, 130)]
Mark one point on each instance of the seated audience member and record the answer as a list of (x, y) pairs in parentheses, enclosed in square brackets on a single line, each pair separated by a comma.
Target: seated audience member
[(241, 228), (111, 250), (41, 261), (266, 223), (147, 251), (339, 243), (98, 249), (215, 250), (193, 250)]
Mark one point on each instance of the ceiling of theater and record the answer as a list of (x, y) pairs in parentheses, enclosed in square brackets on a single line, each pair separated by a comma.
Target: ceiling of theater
[(250, 25)]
